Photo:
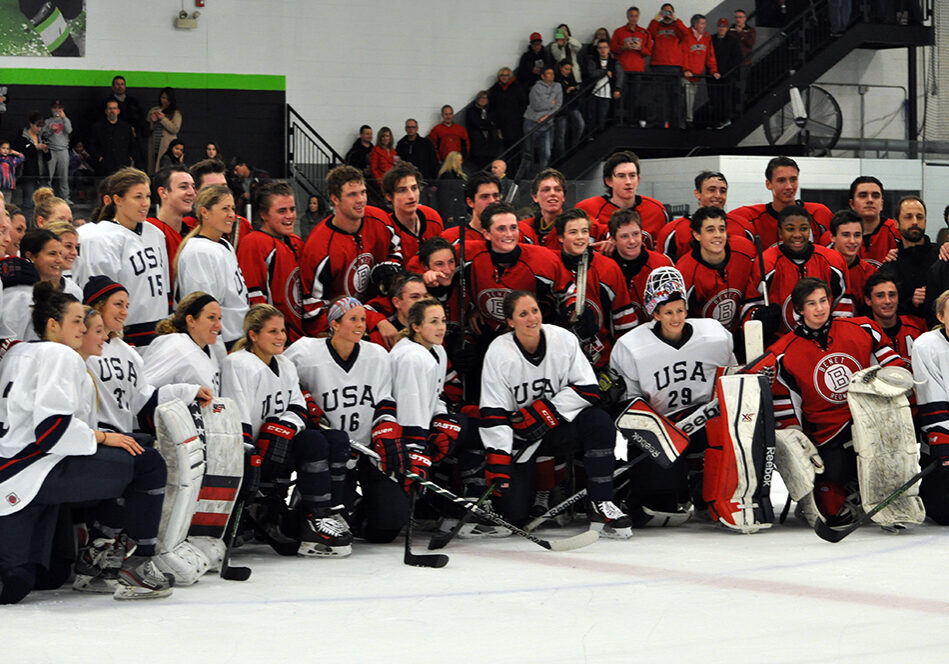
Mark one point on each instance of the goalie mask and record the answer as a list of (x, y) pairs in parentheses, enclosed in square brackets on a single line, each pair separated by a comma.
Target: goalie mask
[(662, 285)]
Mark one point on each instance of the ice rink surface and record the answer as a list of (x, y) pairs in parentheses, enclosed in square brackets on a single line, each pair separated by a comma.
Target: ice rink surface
[(687, 594)]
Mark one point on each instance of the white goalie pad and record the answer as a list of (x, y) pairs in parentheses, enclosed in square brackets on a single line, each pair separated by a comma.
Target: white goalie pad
[(885, 442), (739, 461), (220, 425), (183, 450), (651, 432), (797, 461)]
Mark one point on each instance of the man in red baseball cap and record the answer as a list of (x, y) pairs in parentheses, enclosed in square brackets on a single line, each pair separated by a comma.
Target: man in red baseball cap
[(533, 61)]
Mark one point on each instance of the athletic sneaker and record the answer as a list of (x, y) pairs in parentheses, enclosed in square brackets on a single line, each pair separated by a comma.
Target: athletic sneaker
[(609, 520), (98, 565), (139, 578), (322, 534)]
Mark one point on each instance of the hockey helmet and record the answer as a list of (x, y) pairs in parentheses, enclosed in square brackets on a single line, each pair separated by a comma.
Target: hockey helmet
[(663, 284)]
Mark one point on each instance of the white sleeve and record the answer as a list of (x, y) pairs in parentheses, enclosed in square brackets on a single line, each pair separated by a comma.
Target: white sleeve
[(16, 312), (581, 390), (932, 393), (57, 403), (95, 257), (412, 389), (497, 404), (232, 387), (623, 363)]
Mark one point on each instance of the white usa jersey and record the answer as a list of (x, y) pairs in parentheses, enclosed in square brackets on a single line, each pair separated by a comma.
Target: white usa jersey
[(354, 393), (209, 266), (931, 373), (47, 411), (17, 312), (136, 259), (418, 379), (510, 381), (126, 399), (669, 378), (176, 358), (261, 391)]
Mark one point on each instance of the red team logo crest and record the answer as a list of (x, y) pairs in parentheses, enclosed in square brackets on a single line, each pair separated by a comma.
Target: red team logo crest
[(491, 301), (723, 307), (357, 276), (832, 376), (294, 292)]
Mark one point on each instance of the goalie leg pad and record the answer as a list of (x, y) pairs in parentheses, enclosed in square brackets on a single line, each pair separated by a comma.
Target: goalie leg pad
[(739, 461), (885, 442), (178, 441), (797, 460), (185, 562), (651, 432)]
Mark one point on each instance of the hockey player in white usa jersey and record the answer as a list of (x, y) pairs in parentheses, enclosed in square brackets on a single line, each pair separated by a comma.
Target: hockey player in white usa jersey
[(51, 455), (671, 364), (126, 399), (206, 260), (265, 387), (539, 394), (130, 251), (350, 381)]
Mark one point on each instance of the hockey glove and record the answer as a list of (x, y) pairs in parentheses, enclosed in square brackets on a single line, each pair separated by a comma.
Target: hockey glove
[(498, 468), (273, 444), (531, 423), (251, 483), (770, 317), (443, 436), (463, 355), (418, 462), (387, 443), (586, 326), (382, 275), (612, 387), (317, 418), (939, 446)]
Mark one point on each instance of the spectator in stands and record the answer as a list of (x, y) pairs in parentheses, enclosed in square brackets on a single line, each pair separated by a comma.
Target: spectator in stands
[(533, 61), (55, 134), (10, 159), (566, 47), (129, 108), (728, 56), (382, 157), (589, 49), (33, 173), (545, 99), (839, 11), (608, 77), (746, 39), (212, 151), (570, 116), (112, 142), (417, 150), (668, 35), (80, 162), (175, 154), (698, 58), (314, 214), (507, 100), (482, 132), (358, 155), (452, 167), (164, 123), (448, 136), (245, 181), (631, 44)]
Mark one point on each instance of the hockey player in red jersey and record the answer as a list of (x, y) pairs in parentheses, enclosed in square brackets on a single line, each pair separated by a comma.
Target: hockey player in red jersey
[(879, 236), (846, 234), (481, 190), (634, 259), (711, 190), (350, 253), (269, 258), (719, 270), (796, 257), (607, 297), (548, 190), (621, 175), (176, 191), (414, 223), (882, 298), (781, 179)]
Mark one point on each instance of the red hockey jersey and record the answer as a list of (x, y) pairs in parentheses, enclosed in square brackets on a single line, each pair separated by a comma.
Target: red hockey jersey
[(876, 245), (652, 212), (675, 238), (271, 269), (719, 291), (635, 273), (763, 220)]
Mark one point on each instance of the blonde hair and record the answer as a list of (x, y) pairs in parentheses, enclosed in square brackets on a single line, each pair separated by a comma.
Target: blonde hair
[(44, 202), (939, 306), (208, 196), (254, 321), (100, 305), (61, 228), (452, 164), (416, 316), (177, 322)]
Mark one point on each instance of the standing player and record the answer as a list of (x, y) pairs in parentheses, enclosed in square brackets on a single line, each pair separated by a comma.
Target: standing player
[(880, 237), (621, 175), (129, 251), (414, 223), (548, 190), (781, 179), (265, 386), (538, 392), (206, 260), (175, 189), (351, 383), (481, 190), (711, 190), (347, 253), (406, 290), (719, 271), (846, 235), (270, 258), (635, 260), (212, 171), (54, 456), (882, 296)]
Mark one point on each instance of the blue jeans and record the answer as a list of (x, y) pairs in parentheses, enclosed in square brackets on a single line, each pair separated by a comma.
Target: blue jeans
[(577, 125), (536, 145)]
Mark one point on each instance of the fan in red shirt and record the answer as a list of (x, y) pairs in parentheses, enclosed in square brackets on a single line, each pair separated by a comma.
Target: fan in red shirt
[(781, 179), (448, 136), (846, 235), (414, 223), (621, 175), (635, 261), (698, 58)]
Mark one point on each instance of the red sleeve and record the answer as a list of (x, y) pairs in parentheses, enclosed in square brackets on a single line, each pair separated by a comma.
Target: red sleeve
[(375, 163), (648, 43), (616, 42), (252, 254)]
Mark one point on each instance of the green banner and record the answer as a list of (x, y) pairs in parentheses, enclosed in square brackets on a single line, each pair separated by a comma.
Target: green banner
[(142, 79)]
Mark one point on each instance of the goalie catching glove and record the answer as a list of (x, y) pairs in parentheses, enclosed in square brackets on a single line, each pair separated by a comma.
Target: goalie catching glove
[(533, 422)]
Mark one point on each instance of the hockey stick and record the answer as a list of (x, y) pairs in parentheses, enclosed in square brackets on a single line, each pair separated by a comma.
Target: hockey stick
[(581, 301), (434, 560), (462, 300), (227, 571), (566, 544), (563, 506), (831, 534), (764, 284)]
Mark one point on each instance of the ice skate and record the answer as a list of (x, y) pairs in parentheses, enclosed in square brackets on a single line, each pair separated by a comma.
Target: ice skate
[(324, 532), (97, 568), (609, 520), (139, 578)]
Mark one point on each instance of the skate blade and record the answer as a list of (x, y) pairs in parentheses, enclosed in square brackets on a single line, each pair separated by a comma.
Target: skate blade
[(123, 592), (318, 550), (610, 532), (87, 584)]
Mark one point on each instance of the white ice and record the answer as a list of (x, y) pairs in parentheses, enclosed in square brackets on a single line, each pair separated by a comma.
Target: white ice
[(689, 594)]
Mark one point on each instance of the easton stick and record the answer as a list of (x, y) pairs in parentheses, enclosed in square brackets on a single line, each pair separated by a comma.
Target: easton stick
[(433, 560)]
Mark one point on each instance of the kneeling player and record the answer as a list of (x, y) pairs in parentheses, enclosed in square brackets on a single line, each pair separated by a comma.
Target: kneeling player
[(266, 389), (537, 397)]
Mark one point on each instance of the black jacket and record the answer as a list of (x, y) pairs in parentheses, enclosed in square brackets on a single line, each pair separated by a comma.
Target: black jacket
[(420, 153)]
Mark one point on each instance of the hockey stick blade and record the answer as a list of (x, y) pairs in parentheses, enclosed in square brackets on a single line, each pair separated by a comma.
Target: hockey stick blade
[(831, 534), (227, 571), (566, 544), (235, 573), (441, 541), (433, 560)]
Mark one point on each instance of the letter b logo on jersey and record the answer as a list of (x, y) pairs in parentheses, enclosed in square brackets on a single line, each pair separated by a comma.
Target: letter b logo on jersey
[(832, 376)]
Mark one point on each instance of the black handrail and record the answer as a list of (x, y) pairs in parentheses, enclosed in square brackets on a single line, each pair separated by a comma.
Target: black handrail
[(309, 156)]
